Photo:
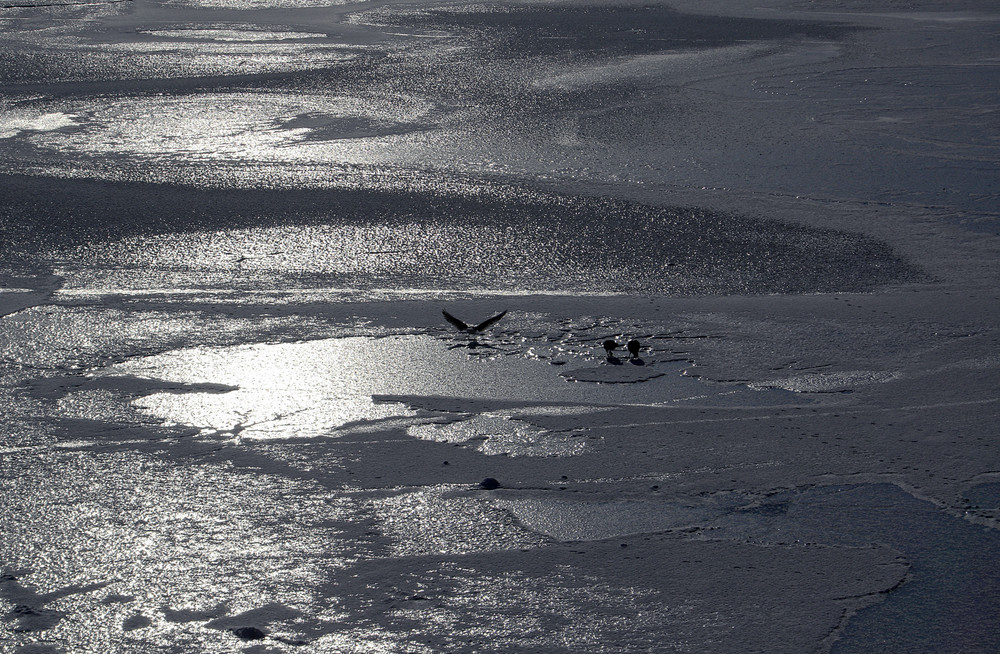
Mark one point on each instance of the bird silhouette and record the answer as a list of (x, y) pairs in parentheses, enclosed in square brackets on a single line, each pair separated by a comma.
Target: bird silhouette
[(462, 326), (633, 348), (610, 346)]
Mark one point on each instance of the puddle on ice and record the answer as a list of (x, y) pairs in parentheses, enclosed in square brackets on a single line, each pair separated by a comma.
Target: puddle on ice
[(314, 388), (826, 382), (503, 434), (587, 519)]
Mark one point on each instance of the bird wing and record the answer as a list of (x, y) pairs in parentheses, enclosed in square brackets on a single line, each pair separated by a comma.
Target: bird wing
[(489, 322), (455, 321)]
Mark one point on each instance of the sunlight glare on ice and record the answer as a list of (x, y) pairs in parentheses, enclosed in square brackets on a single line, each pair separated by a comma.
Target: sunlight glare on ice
[(47, 122)]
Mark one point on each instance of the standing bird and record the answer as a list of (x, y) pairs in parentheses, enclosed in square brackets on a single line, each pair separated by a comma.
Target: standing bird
[(633, 348), (609, 346), (473, 329)]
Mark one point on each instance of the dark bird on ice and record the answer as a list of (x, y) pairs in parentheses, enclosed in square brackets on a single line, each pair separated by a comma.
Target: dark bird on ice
[(633, 348), (473, 329), (610, 346)]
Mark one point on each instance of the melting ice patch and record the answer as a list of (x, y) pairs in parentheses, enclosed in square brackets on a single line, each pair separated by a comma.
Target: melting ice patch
[(239, 35), (832, 382), (310, 389), (16, 124), (595, 519), (439, 521), (282, 390), (250, 126), (499, 434), (244, 5), (476, 237), (422, 384), (643, 66)]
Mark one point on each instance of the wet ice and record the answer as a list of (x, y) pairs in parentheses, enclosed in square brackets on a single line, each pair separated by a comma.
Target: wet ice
[(232, 409), (311, 389)]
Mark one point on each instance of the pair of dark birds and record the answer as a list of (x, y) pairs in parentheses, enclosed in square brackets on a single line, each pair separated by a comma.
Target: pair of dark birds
[(633, 347)]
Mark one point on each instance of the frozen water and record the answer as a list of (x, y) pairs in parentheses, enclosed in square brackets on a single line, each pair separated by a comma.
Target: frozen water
[(470, 237), (235, 34), (311, 389), (233, 416)]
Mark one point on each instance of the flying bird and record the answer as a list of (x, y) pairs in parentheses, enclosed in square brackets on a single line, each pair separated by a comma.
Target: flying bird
[(462, 326)]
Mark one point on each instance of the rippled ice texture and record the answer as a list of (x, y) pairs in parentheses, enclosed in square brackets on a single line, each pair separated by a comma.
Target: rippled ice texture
[(235, 419), (492, 238)]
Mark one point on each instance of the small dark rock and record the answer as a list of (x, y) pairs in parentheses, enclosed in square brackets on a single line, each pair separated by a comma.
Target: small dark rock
[(489, 484), (249, 633)]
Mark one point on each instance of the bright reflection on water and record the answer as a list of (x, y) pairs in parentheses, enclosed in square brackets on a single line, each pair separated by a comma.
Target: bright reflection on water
[(215, 34), (482, 238), (282, 390), (503, 434), (258, 4), (253, 126), (435, 521), (121, 545), (308, 389), (28, 121)]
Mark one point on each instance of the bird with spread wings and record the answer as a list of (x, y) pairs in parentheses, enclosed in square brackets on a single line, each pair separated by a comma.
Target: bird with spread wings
[(462, 326)]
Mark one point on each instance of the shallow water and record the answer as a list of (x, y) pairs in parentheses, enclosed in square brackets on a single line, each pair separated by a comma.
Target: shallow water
[(322, 388)]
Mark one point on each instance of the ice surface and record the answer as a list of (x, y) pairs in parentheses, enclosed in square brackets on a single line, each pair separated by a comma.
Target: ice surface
[(485, 236), (233, 417), (213, 34), (315, 388)]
